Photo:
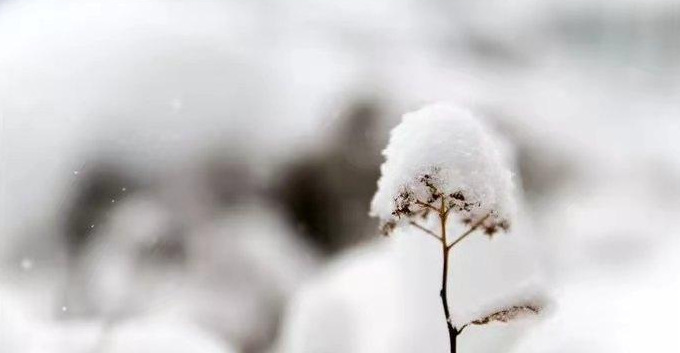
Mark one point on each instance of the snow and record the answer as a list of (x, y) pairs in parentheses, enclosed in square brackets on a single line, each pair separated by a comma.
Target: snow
[(161, 335), (455, 151), (26, 264), (528, 294), (625, 313), (236, 271), (356, 305), (149, 82), (23, 332), (385, 297)]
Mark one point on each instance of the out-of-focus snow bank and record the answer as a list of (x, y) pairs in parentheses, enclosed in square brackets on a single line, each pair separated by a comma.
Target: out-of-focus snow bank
[(615, 314), (386, 297), (151, 85), (154, 335), (22, 333)]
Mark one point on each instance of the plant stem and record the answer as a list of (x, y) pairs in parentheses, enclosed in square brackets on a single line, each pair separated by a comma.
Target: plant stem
[(427, 231), (443, 213), (453, 332), (469, 231)]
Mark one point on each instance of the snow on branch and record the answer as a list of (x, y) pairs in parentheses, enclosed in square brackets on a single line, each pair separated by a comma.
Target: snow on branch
[(440, 161), (506, 315), (440, 152)]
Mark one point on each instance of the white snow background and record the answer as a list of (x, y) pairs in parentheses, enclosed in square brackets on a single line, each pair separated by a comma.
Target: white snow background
[(584, 93)]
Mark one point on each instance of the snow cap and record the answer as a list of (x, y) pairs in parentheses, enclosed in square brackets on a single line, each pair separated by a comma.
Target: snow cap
[(444, 152)]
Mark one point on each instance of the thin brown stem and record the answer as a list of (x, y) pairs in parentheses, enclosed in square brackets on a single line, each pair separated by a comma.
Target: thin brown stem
[(443, 213), (426, 205), (429, 232), (469, 231), (453, 333)]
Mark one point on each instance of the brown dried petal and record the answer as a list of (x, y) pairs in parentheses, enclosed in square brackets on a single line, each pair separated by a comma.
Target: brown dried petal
[(508, 314)]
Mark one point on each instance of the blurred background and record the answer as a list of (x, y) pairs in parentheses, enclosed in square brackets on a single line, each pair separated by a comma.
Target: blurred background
[(194, 176)]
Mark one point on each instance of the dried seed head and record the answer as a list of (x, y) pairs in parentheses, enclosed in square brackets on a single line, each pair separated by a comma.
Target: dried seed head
[(443, 152), (508, 314), (387, 228)]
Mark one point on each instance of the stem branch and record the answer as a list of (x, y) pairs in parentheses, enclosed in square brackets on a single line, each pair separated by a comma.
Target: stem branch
[(453, 333), (427, 205), (429, 232), (469, 231), (443, 213)]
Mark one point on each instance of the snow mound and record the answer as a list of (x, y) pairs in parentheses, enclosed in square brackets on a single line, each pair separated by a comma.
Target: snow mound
[(156, 335), (443, 148)]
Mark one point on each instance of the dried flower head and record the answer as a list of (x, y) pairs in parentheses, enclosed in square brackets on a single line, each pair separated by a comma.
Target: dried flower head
[(443, 152), (506, 315)]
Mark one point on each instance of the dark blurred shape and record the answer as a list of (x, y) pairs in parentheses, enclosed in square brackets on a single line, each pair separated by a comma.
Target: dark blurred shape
[(640, 36), (543, 167), (99, 188), (327, 194), (230, 181), (493, 51), (170, 249), (542, 172)]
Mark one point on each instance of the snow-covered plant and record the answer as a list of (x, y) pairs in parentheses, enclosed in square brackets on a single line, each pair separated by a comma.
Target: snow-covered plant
[(442, 163)]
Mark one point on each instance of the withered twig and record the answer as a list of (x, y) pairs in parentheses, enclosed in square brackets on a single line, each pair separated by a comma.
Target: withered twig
[(469, 231), (427, 205), (429, 232)]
